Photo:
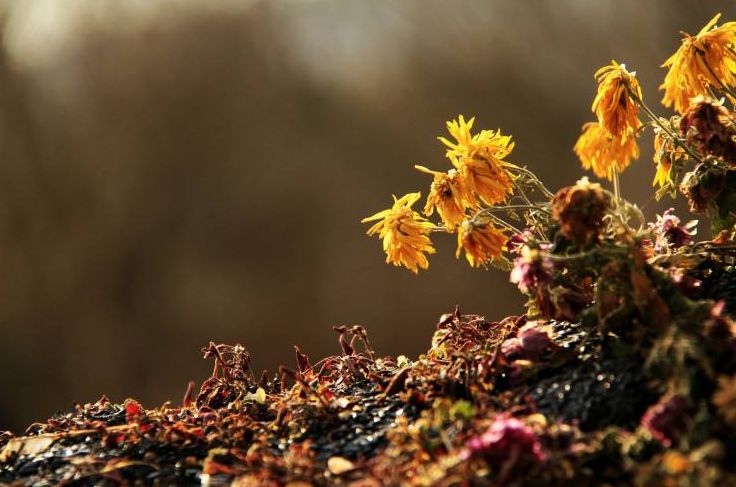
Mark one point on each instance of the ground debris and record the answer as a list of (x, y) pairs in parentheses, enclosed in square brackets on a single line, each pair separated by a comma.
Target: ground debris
[(515, 402)]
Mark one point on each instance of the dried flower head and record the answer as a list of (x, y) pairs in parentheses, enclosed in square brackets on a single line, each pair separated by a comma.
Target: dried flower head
[(602, 153), (668, 153), (708, 126), (529, 343), (479, 160), (482, 242), (405, 233), (531, 269), (507, 440), (663, 161), (518, 241), (448, 195), (669, 233), (580, 210), (667, 420), (614, 104), (705, 60)]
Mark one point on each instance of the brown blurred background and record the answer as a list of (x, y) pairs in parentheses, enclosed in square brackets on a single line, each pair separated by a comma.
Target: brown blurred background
[(174, 172)]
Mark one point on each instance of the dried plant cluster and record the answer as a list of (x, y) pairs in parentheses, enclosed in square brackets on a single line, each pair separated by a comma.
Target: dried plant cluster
[(620, 372)]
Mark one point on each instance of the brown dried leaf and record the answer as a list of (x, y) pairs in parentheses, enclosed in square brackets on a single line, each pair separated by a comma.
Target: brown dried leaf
[(27, 445), (339, 465)]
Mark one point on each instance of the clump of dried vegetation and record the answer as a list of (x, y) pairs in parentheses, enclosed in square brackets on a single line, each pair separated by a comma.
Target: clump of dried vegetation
[(621, 371)]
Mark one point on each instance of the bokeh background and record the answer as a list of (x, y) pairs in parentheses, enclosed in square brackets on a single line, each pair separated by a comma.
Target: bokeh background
[(174, 172)]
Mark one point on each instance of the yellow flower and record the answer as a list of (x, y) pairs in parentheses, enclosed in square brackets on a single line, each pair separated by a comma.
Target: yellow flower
[(479, 160), (448, 195), (405, 233), (613, 105), (676, 463), (662, 159), (602, 153), (663, 175), (705, 60), (482, 243)]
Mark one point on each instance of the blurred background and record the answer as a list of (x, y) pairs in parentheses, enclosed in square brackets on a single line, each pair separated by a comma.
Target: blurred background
[(174, 172)]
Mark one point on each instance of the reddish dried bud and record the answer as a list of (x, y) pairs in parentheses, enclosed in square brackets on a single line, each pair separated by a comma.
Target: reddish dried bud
[(531, 340), (507, 440), (708, 126), (133, 410), (580, 210), (670, 233), (667, 420), (531, 269), (519, 241)]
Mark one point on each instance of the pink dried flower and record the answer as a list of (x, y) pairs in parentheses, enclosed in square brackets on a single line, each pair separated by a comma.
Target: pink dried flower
[(670, 233), (511, 346), (667, 420), (518, 241), (531, 269), (530, 341), (506, 440)]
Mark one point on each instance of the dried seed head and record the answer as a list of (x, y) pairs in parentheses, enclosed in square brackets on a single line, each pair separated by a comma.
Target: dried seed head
[(580, 210), (708, 126)]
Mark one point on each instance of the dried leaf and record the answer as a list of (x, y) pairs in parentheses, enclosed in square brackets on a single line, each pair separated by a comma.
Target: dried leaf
[(339, 465), (27, 445)]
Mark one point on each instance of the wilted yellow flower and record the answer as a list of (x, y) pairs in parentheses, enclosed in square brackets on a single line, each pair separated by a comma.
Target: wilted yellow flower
[(613, 105), (405, 233), (663, 176), (482, 243), (602, 153), (448, 195), (663, 161), (707, 59), (479, 160)]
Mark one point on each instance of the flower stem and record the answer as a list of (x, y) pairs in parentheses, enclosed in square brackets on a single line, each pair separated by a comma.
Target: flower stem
[(535, 180), (586, 253), (491, 209), (616, 186), (504, 223), (653, 117)]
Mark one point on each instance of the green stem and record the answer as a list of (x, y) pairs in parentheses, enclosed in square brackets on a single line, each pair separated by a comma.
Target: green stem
[(585, 253), (653, 117), (535, 180), (524, 196), (531, 206), (531, 215), (616, 187), (504, 223)]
